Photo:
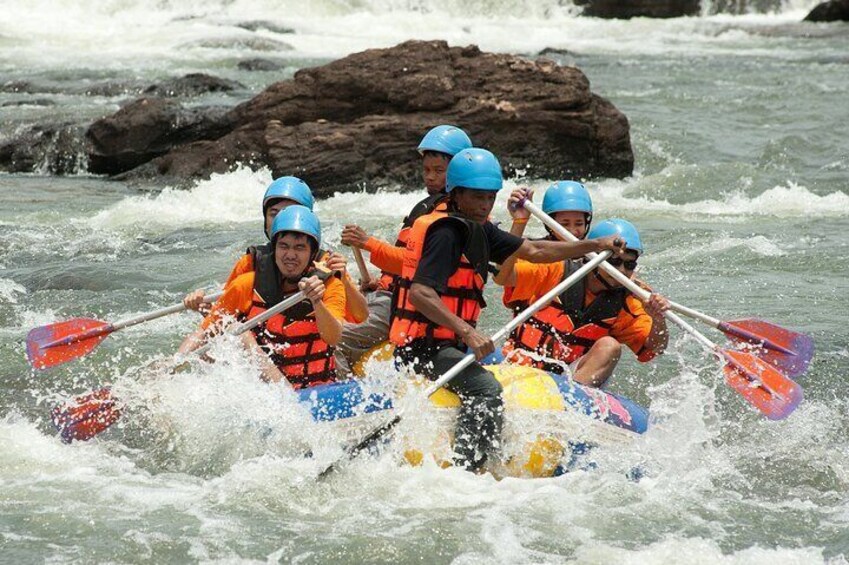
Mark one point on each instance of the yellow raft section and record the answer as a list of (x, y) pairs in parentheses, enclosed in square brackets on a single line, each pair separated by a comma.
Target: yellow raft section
[(525, 389)]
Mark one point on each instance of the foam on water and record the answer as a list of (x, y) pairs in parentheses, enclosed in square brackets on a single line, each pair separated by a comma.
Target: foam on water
[(234, 197), (147, 33)]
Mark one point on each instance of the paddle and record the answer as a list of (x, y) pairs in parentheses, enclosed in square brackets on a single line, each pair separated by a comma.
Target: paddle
[(90, 414), (501, 335), (60, 342), (365, 276), (761, 384), (786, 349)]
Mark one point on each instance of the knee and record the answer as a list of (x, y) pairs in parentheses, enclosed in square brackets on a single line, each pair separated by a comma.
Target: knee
[(608, 348)]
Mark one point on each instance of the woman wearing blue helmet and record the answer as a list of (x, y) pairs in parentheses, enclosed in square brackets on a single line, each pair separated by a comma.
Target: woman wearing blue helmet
[(439, 295)]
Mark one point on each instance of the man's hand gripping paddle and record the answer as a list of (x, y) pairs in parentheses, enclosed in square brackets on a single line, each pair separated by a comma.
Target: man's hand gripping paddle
[(60, 342), (502, 334), (91, 414), (761, 384)]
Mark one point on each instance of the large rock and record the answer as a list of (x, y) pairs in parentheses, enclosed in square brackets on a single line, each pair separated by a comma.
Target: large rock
[(57, 149), (147, 128), (833, 11), (355, 121), (626, 9)]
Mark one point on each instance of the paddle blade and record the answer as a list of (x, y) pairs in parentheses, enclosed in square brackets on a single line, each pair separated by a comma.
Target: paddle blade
[(788, 350), (761, 384), (61, 342), (86, 416)]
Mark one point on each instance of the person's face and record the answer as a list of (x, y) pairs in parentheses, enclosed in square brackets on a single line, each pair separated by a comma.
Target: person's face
[(475, 205), (626, 265), (574, 222), (433, 170), (272, 211), (292, 253)]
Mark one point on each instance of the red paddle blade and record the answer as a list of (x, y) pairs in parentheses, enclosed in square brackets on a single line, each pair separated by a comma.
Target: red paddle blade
[(61, 342), (86, 416), (761, 384), (788, 350)]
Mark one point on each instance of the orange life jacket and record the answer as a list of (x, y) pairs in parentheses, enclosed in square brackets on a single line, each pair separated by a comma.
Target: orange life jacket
[(463, 295), (564, 330), (291, 339), (433, 203)]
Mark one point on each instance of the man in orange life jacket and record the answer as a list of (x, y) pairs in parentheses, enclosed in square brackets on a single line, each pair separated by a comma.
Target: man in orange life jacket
[(280, 194), (436, 148), (439, 296), (298, 343), (582, 331)]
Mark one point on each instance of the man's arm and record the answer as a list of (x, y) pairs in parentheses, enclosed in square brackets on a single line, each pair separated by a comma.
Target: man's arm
[(427, 301), (543, 251)]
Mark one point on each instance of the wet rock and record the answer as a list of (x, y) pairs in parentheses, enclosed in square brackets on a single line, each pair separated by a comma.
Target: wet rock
[(56, 149), (257, 25), (357, 119), (354, 122), (192, 85), (32, 102), (619, 9), (556, 52), (259, 65), (147, 128), (241, 44), (833, 11)]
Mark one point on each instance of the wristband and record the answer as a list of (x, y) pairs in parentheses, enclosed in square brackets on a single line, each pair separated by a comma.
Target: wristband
[(520, 221)]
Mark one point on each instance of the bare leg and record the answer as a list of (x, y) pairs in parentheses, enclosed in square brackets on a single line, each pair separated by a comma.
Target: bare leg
[(597, 365)]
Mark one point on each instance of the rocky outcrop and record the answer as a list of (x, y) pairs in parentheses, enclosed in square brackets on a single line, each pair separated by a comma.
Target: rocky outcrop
[(627, 9), (147, 128), (355, 121), (833, 11), (55, 149), (192, 84)]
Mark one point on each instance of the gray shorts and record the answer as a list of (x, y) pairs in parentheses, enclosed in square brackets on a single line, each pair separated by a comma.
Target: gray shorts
[(358, 338)]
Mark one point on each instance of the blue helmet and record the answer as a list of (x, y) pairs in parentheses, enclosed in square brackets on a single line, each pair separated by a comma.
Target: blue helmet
[(290, 188), (567, 196), (445, 139), (299, 219), (622, 228), (474, 168)]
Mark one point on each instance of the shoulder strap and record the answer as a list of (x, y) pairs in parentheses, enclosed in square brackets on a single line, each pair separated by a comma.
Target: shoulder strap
[(476, 246), (425, 206)]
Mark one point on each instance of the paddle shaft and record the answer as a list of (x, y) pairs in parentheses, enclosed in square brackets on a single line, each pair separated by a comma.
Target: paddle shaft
[(637, 290), (258, 319), (361, 265), (524, 316), (121, 324), (498, 337)]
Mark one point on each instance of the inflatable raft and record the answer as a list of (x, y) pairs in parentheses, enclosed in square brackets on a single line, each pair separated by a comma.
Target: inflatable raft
[(550, 421)]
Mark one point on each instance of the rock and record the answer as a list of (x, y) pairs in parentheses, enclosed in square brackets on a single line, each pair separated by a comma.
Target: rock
[(147, 128), (833, 11), (257, 25), (241, 44), (30, 102), (192, 85), (356, 121), (620, 9), (259, 65), (57, 149), (557, 52)]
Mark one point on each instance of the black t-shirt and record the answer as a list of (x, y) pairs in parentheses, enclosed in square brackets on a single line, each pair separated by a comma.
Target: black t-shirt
[(443, 247)]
